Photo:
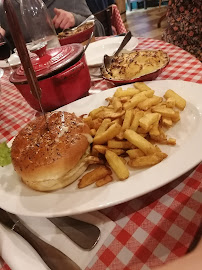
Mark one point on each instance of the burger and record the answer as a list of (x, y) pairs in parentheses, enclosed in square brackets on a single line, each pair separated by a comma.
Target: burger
[(51, 151)]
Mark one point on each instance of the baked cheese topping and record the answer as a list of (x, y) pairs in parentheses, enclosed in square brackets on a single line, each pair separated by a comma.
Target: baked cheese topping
[(128, 66)]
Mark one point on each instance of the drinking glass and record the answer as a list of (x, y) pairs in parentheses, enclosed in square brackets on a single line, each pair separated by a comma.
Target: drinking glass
[(38, 23), (5, 51)]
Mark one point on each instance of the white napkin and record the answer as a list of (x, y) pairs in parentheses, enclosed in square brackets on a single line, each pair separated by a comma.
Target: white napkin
[(95, 73), (18, 254)]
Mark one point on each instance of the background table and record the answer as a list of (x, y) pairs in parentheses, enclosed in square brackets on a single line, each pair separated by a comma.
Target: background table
[(154, 228)]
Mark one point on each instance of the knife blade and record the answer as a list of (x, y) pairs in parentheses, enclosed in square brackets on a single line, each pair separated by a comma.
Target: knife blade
[(54, 258), (84, 234)]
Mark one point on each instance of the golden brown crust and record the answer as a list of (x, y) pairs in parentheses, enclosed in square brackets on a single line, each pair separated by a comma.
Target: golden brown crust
[(39, 153), (127, 66)]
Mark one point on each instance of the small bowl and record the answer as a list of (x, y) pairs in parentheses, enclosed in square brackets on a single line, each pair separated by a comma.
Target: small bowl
[(147, 77), (78, 37)]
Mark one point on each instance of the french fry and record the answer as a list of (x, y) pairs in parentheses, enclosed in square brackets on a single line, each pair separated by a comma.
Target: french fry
[(93, 176), (171, 141), (124, 99), (119, 144), (180, 102), (148, 119), (123, 160), (148, 93), (100, 148), (116, 103), (137, 99), (144, 135), (89, 121), (109, 134), (149, 102), (104, 181), (94, 112), (109, 114), (135, 110), (157, 148), (134, 153), (139, 142), (147, 161), (132, 103), (93, 132), (141, 130), (167, 122), (164, 111), (124, 93), (170, 102), (117, 151), (117, 120), (176, 117), (117, 165), (142, 86), (109, 99), (135, 122), (127, 128), (104, 126), (155, 129), (103, 148), (159, 106), (94, 160), (120, 136), (161, 138), (96, 123), (127, 120)]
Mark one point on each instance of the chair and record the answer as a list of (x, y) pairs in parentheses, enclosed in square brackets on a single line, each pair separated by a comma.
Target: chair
[(104, 17)]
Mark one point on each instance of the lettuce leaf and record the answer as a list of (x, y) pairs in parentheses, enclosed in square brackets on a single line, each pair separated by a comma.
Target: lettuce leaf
[(5, 154)]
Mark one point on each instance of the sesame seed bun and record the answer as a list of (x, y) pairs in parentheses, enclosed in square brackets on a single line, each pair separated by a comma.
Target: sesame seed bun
[(51, 155)]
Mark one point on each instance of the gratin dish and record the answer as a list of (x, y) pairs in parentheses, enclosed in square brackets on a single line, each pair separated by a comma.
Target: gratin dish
[(79, 35), (147, 63)]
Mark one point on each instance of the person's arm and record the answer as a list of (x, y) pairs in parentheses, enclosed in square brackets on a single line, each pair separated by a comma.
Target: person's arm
[(2, 31), (63, 19), (69, 14)]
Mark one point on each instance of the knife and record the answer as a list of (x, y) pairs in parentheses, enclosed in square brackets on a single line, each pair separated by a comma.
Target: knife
[(84, 234), (54, 258)]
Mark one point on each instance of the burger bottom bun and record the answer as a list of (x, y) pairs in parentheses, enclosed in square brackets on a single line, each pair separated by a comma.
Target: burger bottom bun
[(61, 182)]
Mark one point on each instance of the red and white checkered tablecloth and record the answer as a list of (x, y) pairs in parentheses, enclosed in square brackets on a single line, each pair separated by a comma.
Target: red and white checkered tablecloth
[(152, 229)]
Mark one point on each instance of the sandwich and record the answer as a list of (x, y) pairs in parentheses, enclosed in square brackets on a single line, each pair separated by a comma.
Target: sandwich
[(51, 152)]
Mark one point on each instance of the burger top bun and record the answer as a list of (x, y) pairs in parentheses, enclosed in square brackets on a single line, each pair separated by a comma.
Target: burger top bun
[(46, 153)]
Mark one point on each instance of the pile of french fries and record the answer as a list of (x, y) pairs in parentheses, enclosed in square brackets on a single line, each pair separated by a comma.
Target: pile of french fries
[(126, 131)]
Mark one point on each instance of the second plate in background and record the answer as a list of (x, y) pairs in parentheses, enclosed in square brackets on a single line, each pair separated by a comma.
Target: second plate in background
[(96, 50)]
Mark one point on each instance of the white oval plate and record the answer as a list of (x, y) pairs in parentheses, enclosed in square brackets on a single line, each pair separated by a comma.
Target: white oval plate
[(14, 60), (96, 50), (17, 198)]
